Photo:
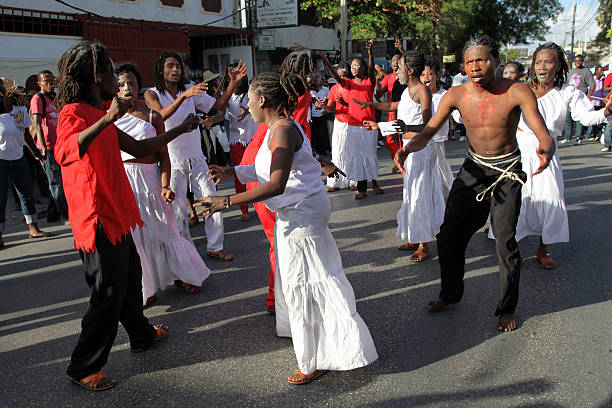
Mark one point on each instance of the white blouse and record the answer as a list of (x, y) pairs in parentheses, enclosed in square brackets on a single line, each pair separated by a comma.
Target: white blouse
[(304, 177), (442, 134), (12, 129), (135, 127), (240, 132), (554, 105)]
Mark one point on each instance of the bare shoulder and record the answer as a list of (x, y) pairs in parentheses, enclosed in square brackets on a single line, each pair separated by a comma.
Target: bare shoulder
[(454, 94), (520, 90), (150, 94)]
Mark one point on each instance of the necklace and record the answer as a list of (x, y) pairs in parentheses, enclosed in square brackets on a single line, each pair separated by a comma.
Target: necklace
[(275, 121)]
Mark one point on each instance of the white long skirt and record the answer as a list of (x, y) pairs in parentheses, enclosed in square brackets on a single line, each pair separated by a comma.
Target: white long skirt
[(315, 303), (339, 150), (164, 254), (545, 214), (361, 161), (422, 211), (444, 169)]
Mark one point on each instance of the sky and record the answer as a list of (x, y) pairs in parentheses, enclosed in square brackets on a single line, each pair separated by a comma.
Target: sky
[(560, 31)]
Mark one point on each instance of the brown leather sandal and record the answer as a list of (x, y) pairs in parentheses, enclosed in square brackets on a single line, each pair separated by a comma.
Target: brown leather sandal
[(299, 378), (360, 195), (221, 255), (544, 259), (95, 382), (408, 247), (189, 288), (420, 255)]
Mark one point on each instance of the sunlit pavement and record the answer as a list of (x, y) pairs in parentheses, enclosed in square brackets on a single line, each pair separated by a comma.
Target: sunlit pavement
[(222, 350)]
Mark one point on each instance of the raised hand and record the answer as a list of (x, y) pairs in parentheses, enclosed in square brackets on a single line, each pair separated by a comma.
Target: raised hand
[(370, 125), (324, 57), (362, 103), (196, 90), (398, 45), (369, 44), (118, 108), (237, 73)]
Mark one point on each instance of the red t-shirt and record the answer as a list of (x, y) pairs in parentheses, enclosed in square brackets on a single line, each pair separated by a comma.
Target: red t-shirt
[(608, 80), (341, 111), (388, 82), (96, 187), (49, 120), (362, 91), (300, 113)]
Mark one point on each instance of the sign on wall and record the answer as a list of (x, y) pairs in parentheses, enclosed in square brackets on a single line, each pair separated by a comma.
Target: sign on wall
[(277, 13), (449, 58), (266, 42)]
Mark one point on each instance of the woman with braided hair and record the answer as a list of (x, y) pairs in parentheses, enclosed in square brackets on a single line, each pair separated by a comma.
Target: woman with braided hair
[(103, 210), (543, 212), (315, 304), (422, 210), (306, 66)]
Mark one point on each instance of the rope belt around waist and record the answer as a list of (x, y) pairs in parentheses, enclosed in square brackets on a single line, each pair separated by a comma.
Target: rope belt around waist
[(505, 173)]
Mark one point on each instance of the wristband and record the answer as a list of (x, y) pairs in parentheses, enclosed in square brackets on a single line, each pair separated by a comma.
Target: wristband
[(227, 203), (165, 188), (316, 156)]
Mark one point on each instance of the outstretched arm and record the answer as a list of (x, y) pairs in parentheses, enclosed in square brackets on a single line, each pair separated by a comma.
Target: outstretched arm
[(420, 140), (371, 68), (529, 105), (235, 76), (152, 99), (331, 70), (381, 106)]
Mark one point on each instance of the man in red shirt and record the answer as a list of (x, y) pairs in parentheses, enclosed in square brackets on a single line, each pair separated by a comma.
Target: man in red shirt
[(44, 120), (103, 210)]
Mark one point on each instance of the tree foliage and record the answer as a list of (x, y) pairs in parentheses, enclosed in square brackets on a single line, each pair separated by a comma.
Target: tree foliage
[(442, 26), (604, 13)]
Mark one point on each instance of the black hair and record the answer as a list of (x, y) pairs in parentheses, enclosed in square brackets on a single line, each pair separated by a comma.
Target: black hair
[(158, 71), (78, 68), (363, 63), (241, 89), (300, 62), (597, 67), (281, 90), (520, 69), (416, 60), (485, 40), (44, 72), (125, 68), (579, 56), (561, 74), (396, 53), (433, 64)]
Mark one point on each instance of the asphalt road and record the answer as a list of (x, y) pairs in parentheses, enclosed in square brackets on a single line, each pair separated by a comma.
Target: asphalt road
[(222, 350)]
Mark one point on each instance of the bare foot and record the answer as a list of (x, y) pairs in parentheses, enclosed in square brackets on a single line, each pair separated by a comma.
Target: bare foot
[(408, 246), (437, 305), (420, 254), (507, 322)]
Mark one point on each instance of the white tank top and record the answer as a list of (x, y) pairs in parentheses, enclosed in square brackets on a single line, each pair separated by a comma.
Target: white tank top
[(442, 134), (304, 177), (137, 128), (408, 110), (188, 145)]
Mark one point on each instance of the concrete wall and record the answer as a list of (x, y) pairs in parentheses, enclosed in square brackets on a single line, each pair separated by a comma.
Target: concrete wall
[(27, 54), (150, 10), (242, 53)]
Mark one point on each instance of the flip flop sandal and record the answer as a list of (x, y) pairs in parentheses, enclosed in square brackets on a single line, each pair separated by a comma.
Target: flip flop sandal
[(221, 255), (360, 195), (150, 300), (378, 190), (161, 331), (419, 256), (546, 262), (408, 246), (189, 288), (95, 382), (298, 378)]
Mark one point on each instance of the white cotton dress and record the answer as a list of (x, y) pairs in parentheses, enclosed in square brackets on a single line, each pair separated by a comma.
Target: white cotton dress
[(545, 213), (422, 211), (361, 161), (165, 255), (339, 145), (315, 303), (439, 149)]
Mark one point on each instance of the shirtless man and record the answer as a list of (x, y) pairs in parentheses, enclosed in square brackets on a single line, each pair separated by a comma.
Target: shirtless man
[(491, 177)]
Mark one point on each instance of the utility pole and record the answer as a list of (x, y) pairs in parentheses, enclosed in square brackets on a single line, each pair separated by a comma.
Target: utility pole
[(343, 29), (573, 25)]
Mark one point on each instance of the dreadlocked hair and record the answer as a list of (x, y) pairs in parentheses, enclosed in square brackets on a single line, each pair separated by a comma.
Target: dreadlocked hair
[(126, 68), (301, 62), (78, 68), (158, 72), (241, 88), (482, 39), (561, 74), (280, 90), (416, 60)]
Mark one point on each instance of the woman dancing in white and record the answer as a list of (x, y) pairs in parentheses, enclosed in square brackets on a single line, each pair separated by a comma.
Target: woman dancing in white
[(315, 304), (543, 211), (165, 255)]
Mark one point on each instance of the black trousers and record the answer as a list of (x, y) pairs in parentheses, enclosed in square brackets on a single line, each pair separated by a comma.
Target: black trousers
[(320, 138), (114, 276), (465, 215)]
